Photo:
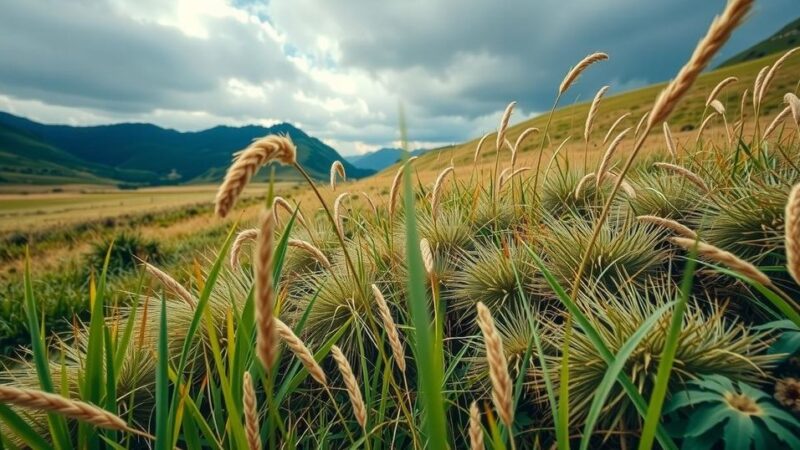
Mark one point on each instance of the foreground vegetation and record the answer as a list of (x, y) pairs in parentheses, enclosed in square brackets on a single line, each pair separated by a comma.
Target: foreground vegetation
[(629, 302)]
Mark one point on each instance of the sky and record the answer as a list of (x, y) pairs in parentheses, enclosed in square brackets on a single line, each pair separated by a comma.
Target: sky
[(340, 69)]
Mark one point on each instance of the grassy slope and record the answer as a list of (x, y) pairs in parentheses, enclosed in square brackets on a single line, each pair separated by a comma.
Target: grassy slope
[(784, 39), (569, 120)]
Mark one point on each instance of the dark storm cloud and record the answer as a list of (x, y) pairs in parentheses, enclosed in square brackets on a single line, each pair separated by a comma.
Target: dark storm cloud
[(424, 47), (73, 53), (339, 69)]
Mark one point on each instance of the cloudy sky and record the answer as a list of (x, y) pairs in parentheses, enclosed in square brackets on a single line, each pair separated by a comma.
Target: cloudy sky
[(339, 69)]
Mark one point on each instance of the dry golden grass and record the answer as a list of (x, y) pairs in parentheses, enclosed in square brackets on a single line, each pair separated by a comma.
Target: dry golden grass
[(265, 295), (498, 367)]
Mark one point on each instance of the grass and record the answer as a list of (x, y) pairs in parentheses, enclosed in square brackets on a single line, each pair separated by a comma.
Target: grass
[(591, 367)]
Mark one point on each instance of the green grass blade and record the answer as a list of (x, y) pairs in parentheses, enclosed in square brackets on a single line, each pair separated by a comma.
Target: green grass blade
[(163, 439), (562, 424), (429, 365), (198, 314), (613, 370), (58, 426), (202, 424), (111, 379), (653, 418), (232, 404), (15, 423)]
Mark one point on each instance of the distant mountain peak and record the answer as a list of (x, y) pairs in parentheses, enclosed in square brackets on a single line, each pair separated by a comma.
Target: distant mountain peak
[(382, 158)]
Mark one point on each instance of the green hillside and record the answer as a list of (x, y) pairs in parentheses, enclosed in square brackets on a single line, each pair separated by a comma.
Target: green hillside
[(786, 38), (142, 154), (24, 159)]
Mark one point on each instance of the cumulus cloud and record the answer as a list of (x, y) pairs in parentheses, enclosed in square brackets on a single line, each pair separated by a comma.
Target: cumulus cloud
[(337, 69)]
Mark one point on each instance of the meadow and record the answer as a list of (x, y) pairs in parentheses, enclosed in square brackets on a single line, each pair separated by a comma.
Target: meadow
[(573, 281)]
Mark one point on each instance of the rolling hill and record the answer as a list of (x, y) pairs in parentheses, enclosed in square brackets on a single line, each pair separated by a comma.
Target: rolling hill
[(141, 154), (784, 39), (569, 120)]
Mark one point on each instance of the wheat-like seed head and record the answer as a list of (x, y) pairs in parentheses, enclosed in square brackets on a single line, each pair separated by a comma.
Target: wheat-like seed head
[(498, 367), (717, 106), (624, 185), (265, 296), (777, 121), (612, 147), (587, 129), (520, 139), (353, 391), (670, 224), (757, 85), (501, 132), (53, 403), (582, 183), (436, 194), (337, 168), (522, 136), (311, 250), (742, 103), (670, 140), (718, 88), (241, 239), (250, 407), (427, 256), (395, 191), (684, 172), (772, 71), (281, 202), (508, 176), (718, 33), (171, 284), (794, 103), (573, 73), (703, 125), (640, 123), (723, 257), (371, 203), (501, 179), (478, 148), (614, 126), (475, 430), (301, 352), (337, 212), (792, 229), (247, 162), (391, 329)]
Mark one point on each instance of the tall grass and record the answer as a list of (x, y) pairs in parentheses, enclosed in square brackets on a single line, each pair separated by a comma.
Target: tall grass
[(475, 283)]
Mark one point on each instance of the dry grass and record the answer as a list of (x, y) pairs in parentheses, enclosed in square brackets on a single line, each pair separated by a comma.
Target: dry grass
[(73, 409), (793, 233), (498, 367), (250, 407), (353, 391), (265, 296)]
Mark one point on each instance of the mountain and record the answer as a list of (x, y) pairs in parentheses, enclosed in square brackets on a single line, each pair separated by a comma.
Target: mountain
[(784, 39), (143, 154), (381, 158)]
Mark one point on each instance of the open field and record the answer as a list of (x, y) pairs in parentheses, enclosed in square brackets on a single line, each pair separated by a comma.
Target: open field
[(34, 211), (642, 292)]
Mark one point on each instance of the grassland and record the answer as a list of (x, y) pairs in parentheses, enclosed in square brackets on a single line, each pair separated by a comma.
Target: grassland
[(624, 300)]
